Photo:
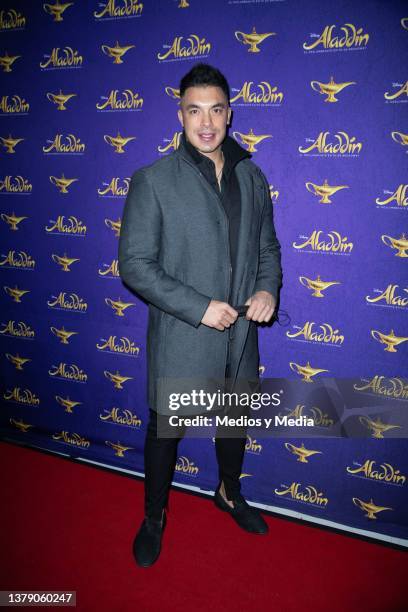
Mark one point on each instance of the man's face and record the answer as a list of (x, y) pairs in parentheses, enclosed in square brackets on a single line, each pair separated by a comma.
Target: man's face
[(204, 113)]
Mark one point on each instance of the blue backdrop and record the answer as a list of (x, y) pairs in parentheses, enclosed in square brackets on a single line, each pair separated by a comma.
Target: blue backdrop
[(319, 93)]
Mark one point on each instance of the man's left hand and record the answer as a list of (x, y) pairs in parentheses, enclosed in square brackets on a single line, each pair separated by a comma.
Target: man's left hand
[(261, 307)]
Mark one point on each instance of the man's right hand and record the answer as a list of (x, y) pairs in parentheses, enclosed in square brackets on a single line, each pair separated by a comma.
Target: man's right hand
[(219, 315)]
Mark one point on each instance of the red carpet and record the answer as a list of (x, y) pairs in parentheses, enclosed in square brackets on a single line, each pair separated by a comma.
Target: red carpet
[(69, 526)]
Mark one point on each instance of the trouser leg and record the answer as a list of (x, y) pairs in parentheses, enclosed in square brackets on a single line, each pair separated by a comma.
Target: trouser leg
[(160, 456)]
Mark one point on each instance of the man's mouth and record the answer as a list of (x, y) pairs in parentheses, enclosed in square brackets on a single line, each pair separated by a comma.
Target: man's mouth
[(206, 136)]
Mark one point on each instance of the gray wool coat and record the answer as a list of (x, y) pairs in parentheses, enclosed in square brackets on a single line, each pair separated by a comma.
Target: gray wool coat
[(174, 252)]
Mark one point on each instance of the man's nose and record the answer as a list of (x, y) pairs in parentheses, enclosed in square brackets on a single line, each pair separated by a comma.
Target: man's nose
[(206, 119)]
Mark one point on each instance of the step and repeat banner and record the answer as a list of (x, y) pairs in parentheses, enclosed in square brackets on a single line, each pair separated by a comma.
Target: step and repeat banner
[(319, 92)]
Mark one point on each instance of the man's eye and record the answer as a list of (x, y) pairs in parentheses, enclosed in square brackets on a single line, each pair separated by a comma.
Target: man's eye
[(193, 111)]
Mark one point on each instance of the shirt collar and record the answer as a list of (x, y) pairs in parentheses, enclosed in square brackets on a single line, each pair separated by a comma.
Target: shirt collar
[(233, 152)]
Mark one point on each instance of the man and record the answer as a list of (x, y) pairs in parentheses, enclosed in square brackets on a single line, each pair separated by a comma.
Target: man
[(197, 241)]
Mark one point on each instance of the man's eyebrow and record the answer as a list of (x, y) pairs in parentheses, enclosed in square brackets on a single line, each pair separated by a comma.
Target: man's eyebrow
[(217, 105)]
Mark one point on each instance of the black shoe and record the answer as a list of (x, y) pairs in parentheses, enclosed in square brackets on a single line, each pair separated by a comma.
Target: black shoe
[(147, 543), (248, 518)]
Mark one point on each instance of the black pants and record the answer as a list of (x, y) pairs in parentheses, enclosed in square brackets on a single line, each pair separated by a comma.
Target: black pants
[(160, 455)]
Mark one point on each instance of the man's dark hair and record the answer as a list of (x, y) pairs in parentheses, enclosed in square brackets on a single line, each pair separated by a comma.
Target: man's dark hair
[(202, 75)]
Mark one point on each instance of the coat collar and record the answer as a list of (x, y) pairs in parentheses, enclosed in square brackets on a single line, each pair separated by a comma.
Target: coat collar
[(233, 152)]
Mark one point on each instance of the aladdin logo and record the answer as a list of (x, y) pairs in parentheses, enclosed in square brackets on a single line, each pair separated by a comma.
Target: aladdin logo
[(127, 100), (15, 105), (352, 38), (67, 403), (308, 496), (57, 9), (73, 439), (334, 245), (319, 418), (124, 417), (15, 185), (12, 220), (74, 227), (403, 89), (60, 99), (10, 143), (69, 372), (124, 346), (62, 58), (186, 467), (69, 302), (111, 271), (343, 147), (23, 261), (68, 144), (386, 472), (15, 293), (380, 385), (114, 189), (119, 9), (194, 46), (252, 446), (327, 335), (6, 61), (399, 196), (389, 297), (265, 94), (172, 144), (21, 397), (12, 20), (21, 331)]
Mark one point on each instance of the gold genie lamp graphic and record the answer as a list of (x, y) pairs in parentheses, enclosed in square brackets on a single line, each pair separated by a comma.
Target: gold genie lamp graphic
[(116, 52), (306, 371), (62, 183), (317, 285), (6, 61), (12, 220), (64, 261), (17, 361), (173, 93), (118, 447), (67, 403), (301, 452), (390, 340), (369, 507), (60, 99), (251, 139), (330, 89), (62, 334), (9, 143), (118, 306), (57, 9), (401, 138), (324, 191), (253, 39), (118, 141), (114, 225), (401, 244), (183, 4), (117, 379), (404, 23), (24, 427), (15, 293), (377, 427)]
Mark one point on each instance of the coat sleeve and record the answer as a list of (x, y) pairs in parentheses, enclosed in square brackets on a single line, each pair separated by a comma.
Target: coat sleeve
[(269, 277), (139, 247)]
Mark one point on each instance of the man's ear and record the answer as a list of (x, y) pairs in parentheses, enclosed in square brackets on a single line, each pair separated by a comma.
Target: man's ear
[(229, 116), (180, 116)]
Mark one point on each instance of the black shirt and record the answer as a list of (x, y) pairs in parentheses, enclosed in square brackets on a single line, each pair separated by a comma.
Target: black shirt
[(230, 193)]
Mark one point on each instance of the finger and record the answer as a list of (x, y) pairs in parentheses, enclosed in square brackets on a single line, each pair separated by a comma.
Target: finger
[(265, 315)]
